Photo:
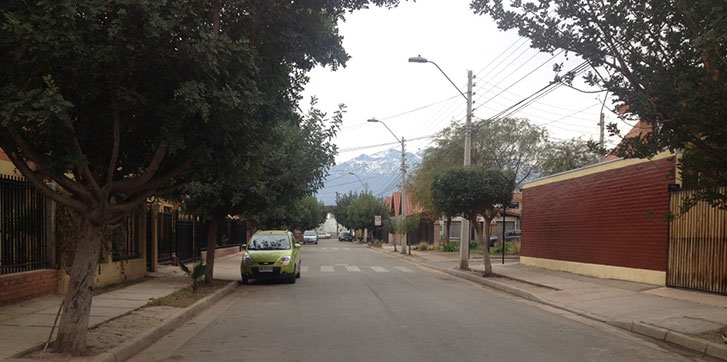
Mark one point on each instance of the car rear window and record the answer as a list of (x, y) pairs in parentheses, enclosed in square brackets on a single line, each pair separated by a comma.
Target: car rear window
[(269, 242), (309, 233)]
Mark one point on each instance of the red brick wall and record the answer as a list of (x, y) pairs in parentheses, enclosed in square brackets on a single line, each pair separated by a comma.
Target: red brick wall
[(602, 218), (19, 286)]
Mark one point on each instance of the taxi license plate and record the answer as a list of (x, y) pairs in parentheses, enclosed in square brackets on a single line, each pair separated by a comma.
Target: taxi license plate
[(265, 269)]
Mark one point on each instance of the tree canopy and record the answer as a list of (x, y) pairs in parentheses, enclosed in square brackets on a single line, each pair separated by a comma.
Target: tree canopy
[(362, 210), (566, 155), (665, 63)]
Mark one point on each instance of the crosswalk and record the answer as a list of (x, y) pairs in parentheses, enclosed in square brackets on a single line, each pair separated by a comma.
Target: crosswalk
[(327, 248), (352, 269)]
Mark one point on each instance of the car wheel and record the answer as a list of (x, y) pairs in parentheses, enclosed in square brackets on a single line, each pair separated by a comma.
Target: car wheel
[(245, 280), (297, 275), (316, 243), (292, 279)]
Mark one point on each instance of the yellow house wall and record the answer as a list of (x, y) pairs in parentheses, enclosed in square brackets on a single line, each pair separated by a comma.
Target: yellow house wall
[(109, 273), (7, 168), (599, 271)]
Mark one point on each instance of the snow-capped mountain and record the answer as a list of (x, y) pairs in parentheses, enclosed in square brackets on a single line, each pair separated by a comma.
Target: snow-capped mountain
[(380, 173)]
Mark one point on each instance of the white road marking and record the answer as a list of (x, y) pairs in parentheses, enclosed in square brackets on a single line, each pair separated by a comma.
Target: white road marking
[(324, 248), (326, 269), (346, 248), (334, 248), (352, 268), (304, 268), (379, 269), (404, 269)]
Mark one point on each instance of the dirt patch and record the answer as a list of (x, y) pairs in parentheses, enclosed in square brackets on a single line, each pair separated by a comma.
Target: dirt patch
[(714, 336), (185, 297), (113, 333)]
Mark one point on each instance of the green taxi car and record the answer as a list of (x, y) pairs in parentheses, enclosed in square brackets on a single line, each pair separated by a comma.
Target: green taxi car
[(271, 255)]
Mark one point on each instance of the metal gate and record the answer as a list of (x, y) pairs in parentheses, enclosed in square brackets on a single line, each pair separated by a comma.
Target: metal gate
[(697, 246)]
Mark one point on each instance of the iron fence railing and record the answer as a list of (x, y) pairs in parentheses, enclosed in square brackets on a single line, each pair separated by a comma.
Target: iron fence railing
[(23, 240)]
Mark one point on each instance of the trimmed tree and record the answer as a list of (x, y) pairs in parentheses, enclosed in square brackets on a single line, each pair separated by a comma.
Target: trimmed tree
[(476, 191)]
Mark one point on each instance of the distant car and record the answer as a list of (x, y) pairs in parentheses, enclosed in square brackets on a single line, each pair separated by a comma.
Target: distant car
[(310, 237), (324, 235), (271, 255), (509, 235), (345, 236)]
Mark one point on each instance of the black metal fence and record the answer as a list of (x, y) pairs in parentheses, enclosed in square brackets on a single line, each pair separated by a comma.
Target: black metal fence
[(125, 240), (23, 242)]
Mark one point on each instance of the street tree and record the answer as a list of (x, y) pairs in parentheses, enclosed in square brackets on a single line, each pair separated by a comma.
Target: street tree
[(118, 101), (664, 62), (340, 210), (310, 213), (477, 192), (362, 210), (561, 156), (292, 162)]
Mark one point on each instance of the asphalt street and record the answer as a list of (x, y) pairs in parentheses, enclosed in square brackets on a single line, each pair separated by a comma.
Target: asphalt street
[(354, 304)]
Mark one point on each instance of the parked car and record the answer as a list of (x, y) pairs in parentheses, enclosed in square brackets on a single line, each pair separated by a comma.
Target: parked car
[(271, 254), (509, 235), (345, 236), (324, 235), (310, 237)]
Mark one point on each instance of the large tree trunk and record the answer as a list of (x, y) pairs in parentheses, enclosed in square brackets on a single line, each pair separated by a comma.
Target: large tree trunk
[(485, 245), (73, 326), (211, 245)]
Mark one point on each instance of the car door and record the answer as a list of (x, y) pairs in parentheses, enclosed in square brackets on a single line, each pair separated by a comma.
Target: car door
[(296, 251)]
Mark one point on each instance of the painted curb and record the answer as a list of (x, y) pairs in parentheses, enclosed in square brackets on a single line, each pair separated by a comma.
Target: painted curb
[(679, 339), (135, 345)]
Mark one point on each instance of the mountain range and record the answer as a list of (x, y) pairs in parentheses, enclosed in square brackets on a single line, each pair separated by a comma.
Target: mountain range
[(380, 174)]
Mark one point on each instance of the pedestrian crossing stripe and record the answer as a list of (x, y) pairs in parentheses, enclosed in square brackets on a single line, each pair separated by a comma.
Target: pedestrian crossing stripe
[(404, 269), (326, 269), (379, 269), (352, 268)]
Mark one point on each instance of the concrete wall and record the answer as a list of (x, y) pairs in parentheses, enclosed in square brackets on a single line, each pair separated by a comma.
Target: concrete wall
[(20, 286), (611, 214)]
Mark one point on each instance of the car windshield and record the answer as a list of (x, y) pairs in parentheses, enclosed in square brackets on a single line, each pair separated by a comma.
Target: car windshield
[(309, 233), (269, 242)]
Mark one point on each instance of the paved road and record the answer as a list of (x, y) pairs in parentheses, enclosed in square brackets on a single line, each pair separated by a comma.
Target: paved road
[(353, 304)]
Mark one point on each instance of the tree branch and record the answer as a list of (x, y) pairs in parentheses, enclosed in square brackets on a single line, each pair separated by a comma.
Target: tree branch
[(129, 186), (18, 161), (65, 182)]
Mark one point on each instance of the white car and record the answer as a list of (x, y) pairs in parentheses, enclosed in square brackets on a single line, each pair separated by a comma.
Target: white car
[(324, 235), (310, 237)]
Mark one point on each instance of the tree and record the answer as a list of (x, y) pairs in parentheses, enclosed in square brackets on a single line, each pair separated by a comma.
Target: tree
[(117, 101), (476, 191), (664, 62), (340, 211), (311, 213), (362, 210), (567, 155), (292, 162)]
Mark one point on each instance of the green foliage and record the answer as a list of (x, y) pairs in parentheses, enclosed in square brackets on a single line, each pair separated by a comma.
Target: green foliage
[(664, 62), (340, 210), (423, 246), (450, 247), (361, 211), (377, 243), (410, 224), (472, 190), (567, 155), (198, 271)]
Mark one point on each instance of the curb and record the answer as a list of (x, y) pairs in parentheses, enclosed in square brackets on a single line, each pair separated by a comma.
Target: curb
[(135, 345), (679, 339)]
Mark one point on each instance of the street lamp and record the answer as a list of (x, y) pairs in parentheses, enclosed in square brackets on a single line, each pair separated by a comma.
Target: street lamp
[(366, 188), (403, 179), (465, 231)]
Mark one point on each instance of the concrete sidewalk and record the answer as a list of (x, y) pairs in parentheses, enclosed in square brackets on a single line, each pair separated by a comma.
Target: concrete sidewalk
[(26, 324), (691, 319)]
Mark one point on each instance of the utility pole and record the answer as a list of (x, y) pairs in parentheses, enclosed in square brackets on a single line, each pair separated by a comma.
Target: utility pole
[(464, 247), (602, 126), (403, 197)]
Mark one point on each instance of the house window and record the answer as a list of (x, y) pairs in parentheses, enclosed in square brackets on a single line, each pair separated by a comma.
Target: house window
[(455, 229), (514, 205)]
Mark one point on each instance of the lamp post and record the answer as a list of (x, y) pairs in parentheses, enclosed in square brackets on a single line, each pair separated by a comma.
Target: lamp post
[(366, 188), (464, 248), (403, 179)]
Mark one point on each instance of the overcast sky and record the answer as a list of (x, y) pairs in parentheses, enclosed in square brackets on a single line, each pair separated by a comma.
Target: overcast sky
[(416, 100)]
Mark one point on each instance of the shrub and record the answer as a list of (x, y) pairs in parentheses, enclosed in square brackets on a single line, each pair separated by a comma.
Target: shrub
[(436, 246), (197, 272), (377, 243), (423, 246), (450, 247), (474, 245), (515, 247)]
